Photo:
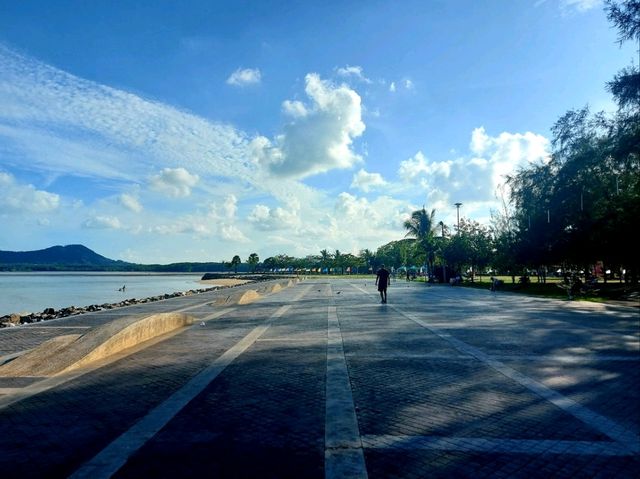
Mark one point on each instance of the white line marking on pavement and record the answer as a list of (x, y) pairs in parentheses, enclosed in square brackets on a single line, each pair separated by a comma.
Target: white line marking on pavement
[(497, 445), (623, 436), (115, 455), (597, 421), (343, 456)]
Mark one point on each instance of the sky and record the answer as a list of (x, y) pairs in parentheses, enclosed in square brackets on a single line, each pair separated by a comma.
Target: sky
[(162, 131)]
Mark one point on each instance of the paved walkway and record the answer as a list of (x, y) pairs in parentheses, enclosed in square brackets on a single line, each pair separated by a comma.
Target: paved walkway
[(320, 380)]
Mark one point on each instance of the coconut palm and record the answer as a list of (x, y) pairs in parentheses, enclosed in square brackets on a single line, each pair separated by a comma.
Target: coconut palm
[(421, 226), (253, 260)]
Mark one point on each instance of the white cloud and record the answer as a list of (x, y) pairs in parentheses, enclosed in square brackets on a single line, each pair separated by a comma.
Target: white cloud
[(353, 72), (294, 108), (102, 222), (130, 202), (319, 141), (230, 206), (474, 179), (366, 181), (244, 77), (278, 218), (418, 165), (57, 123), (20, 198), (405, 83), (232, 233), (580, 5), (175, 182)]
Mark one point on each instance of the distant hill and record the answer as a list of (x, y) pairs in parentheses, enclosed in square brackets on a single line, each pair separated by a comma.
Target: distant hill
[(77, 257), (73, 256)]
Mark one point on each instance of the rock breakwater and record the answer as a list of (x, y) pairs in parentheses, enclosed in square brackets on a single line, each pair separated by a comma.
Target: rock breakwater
[(10, 320)]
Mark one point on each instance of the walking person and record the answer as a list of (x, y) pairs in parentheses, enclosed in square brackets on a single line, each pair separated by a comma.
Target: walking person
[(383, 279)]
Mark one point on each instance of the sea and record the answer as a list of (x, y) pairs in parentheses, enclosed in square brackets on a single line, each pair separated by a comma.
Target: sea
[(34, 292)]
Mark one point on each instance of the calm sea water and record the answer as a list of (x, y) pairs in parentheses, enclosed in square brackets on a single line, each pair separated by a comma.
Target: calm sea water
[(33, 292)]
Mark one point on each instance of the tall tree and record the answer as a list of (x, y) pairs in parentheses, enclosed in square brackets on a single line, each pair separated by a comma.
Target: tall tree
[(235, 262), (253, 260), (421, 226)]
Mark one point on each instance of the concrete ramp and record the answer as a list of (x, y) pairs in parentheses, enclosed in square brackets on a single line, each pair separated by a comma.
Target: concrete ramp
[(240, 297), (69, 352)]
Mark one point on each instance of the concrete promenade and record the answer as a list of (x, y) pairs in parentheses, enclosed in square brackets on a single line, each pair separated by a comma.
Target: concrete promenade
[(321, 380)]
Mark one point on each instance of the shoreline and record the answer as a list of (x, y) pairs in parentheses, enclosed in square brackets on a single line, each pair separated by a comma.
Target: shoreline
[(17, 319)]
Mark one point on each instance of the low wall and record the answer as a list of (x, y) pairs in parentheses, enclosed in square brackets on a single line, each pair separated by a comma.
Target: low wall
[(69, 352)]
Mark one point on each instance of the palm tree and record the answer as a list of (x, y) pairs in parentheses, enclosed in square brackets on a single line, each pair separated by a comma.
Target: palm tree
[(253, 260), (325, 256), (367, 257), (421, 226), (235, 261), (338, 261)]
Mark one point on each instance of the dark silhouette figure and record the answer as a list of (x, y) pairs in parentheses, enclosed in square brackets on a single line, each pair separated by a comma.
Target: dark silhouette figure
[(383, 279)]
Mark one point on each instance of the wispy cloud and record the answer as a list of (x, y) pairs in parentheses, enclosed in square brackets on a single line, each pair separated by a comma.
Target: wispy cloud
[(353, 72)]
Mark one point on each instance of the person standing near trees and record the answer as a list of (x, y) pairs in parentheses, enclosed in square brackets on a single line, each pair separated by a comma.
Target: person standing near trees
[(383, 279)]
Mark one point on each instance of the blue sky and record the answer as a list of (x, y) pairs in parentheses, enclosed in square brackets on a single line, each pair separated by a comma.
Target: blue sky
[(158, 131)]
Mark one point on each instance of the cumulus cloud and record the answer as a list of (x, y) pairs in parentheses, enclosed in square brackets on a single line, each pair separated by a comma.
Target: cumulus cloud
[(266, 218), (102, 222), (294, 108), (130, 202), (362, 219), (418, 165), (175, 182), (477, 176), (366, 181), (244, 77), (321, 139), (24, 198)]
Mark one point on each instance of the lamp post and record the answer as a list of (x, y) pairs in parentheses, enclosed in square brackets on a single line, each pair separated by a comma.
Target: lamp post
[(444, 263), (458, 205)]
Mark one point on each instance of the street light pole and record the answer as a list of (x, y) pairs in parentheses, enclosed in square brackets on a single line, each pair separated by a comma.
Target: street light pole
[(444, 263), (458, 205)]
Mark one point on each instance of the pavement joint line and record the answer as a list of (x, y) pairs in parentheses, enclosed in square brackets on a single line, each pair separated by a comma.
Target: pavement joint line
[(344, 454), (497, 445), (107, 462), (43, 326), (563, 360), (608, 427), (597, 421)]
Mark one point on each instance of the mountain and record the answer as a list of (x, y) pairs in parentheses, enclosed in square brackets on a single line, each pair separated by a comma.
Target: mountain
[(77, 257), (73, 256)]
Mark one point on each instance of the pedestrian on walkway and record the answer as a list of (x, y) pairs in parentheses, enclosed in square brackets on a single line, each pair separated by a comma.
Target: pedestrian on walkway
[(382, 281)]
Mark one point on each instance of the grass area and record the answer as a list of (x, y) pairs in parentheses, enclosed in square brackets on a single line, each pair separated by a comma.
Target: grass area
[(611, 291), (602, 292)]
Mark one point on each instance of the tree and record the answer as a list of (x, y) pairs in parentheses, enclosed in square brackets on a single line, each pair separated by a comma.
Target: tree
[(253, 260), (325, 257), (421, 226), (235, 262), (367, 256), (625, 85)]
